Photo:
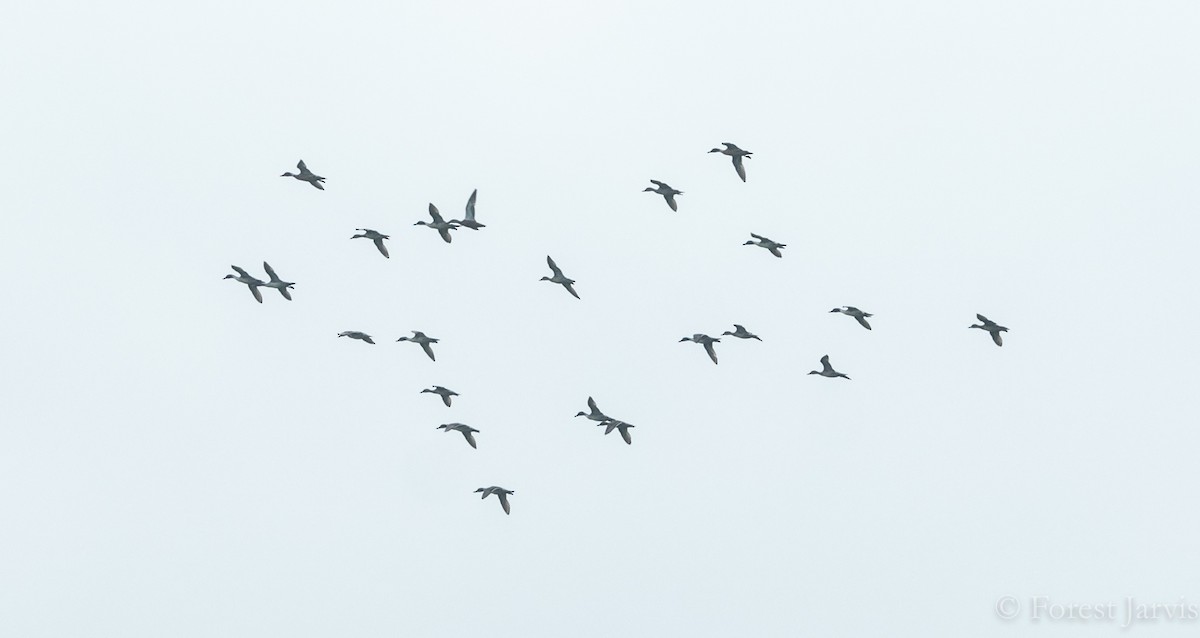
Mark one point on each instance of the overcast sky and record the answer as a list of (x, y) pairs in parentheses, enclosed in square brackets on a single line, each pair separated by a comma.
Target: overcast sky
[(179, 460)]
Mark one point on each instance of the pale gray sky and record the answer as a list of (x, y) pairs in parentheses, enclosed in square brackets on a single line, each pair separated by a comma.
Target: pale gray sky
[(176, 459)]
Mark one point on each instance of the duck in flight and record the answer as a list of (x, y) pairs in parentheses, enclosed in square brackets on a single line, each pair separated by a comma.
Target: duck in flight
[(306, 175), (737, 154), (376, 237), (992, 327), (559, 278), (859, 315), (619, 426), (277, 283), (740, 332), (595, 414), (500, 493), (419, 337), (442, 226), (707, 341), (244, 277), (445, 393), (469, 220), (354, 334), (667, 192), (467, 431), (827, 370), (772, 246)]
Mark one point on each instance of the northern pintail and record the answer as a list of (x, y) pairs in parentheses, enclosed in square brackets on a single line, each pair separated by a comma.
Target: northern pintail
[(376, 237), (460, 427), (772, 246), (621, 427), (737, 154), (707, 341), (500, 493), (469, 220), (827, 370), (859, 315), (306, 175), (992, 327), (245, 278), (354, 334), (740, 333), (442, 226), (419, 337), (595, 414), (445, 393), (558, 278), (277, 283), (667, 192)]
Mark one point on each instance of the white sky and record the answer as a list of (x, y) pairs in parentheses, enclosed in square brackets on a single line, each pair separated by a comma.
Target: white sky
[(176, 459)]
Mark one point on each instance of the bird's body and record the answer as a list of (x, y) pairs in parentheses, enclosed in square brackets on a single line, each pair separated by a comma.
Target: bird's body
[(741, 333), (375, 236), (445, 393), (469, 220), (306, 175), (666, 191), (277, 283), (442, 226), (827, 370), (467, 431), (991, 327), (737, 154), (706, 341), (559, 278), (419, 337), (500, 493), (858, 315), (244, 277), (354, 334), (770, 245)]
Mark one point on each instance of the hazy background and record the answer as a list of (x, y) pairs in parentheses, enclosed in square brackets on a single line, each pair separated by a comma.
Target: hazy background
[(176, 459)]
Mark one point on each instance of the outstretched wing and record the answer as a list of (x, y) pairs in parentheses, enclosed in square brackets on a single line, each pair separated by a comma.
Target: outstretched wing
[(553, 266), (240, 271), (445, 233), (592, 406), (712, 354), (471, 205), (504, 502), (825, 364), (671, 201), (303, 168), (381, 247), (428, 350), (996, 338), (775, 251), (737, 165), (571, 289), (286, 295), (433, 212), (270, 271), (862, 320), (257, 294), (470, 438), (624, 430)]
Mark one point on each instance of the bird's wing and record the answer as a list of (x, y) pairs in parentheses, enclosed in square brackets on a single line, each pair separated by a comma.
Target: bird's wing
[(553, 266), (671, 201), (624, 430), (775, 251), (471, 205), (571, 289), (739, 327), (428, 350), (658, 183), (303, 168), (758, 237), (286, 295), (996, 337), (240, 271), (368, 339), (445, 233), (317, 185), (257, 294), (446, 399), (609, 426), (592, 405), (433, 212), (737, 165), (270, 272), (862, 320), (983, 318), (381, 247), (504, 502), (470, 438), (825, 364), (712, 354)]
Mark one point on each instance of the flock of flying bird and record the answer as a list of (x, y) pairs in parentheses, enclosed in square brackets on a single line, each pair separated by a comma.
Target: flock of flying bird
[(594, 414)]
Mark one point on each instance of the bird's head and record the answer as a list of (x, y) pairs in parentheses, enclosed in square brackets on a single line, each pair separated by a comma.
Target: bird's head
[(229, 277)]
